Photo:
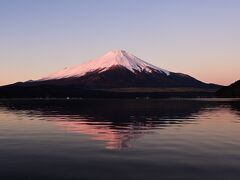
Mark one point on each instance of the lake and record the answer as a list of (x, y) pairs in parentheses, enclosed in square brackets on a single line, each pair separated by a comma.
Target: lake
[(120, 139)]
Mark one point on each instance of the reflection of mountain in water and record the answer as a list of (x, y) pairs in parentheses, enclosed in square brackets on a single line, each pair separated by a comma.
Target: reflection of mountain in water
[(118, 122)]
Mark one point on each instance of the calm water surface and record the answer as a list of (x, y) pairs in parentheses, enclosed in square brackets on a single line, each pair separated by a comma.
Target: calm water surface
[(119, 139)]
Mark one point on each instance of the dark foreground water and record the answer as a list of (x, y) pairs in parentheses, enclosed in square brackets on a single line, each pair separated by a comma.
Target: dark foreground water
[(119, 139)]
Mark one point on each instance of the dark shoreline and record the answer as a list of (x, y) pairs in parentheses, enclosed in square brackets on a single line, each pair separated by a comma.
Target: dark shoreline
[(74, 92)]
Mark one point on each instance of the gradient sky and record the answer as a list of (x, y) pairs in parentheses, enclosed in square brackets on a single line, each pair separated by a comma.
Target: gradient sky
[(197, 37)]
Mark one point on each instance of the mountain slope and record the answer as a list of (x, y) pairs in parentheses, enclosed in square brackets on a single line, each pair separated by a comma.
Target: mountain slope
[(232, 90), (121, 77)]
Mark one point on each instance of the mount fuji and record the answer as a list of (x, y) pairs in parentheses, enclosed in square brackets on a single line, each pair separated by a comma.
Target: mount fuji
[(116, 69), (120, 69)]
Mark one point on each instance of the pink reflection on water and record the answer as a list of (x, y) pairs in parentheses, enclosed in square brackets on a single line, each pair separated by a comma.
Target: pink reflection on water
[(114, 138)]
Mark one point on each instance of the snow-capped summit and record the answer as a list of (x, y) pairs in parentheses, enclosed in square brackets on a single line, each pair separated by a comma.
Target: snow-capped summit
[(103, 63)]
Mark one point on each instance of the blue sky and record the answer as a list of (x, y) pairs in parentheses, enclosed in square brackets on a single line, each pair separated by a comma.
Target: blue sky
[(200, 38)]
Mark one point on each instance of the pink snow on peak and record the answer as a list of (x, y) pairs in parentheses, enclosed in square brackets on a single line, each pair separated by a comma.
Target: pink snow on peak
[(103, 63)]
